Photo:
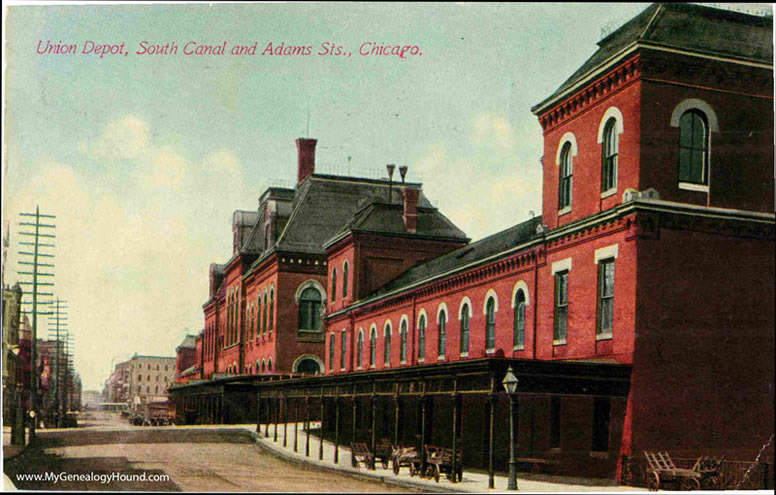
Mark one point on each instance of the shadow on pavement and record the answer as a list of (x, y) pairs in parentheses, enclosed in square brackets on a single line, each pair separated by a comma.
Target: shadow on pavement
[(34, 461), (73, 438)]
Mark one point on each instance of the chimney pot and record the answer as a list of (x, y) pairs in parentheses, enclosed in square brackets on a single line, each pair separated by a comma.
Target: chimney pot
[(306, 153)]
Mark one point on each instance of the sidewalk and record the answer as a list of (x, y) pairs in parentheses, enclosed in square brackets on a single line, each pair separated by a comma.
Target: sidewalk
[(8, 452), (472, 482)]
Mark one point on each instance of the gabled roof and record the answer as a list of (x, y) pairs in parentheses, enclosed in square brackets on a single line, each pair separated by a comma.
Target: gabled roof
[(686, 27), (473, 253)]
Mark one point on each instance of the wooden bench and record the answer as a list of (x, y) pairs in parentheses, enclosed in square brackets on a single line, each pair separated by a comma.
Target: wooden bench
[(440, 460), (407, 456), (359, 452), (661, 469)]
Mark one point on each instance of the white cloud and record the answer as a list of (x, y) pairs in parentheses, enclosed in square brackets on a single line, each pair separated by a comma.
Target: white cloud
[(494, 185), (123, 138), (163, 166)]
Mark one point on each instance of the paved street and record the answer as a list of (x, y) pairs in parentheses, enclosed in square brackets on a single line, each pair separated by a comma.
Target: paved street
[(185, 459)]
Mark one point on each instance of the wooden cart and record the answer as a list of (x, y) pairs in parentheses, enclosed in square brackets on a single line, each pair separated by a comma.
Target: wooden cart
[(440, 460), (407, 457), (710, 471), (383, 452), (361, 453), (661, 470)]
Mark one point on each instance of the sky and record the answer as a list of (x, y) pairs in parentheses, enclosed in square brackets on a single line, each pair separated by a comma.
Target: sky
[(143, 158)]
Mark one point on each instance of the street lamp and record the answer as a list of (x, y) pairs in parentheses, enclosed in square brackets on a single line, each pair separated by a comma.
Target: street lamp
[(510, 385)]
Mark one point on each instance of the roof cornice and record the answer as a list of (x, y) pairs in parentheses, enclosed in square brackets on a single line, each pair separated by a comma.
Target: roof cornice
[(639, 44)]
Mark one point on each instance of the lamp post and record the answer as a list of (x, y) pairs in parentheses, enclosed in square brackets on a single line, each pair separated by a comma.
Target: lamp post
[(510, 385)]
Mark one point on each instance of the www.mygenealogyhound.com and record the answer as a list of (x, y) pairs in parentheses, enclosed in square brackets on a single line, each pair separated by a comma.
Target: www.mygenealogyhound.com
[(103, 478)]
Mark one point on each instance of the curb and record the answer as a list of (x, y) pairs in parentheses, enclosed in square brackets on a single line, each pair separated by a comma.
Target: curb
[(364, 475)]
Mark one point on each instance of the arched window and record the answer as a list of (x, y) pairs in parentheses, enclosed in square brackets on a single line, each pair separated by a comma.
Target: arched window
[(343, 339), (387, 348), (372, 344), (359, 346), (490, 324), (693, 147), (403, 348), (518, 336), (345, 280), (442, 342), (310, 309), (331, 352), (264, 315), (263, 366), (333, 290), (256, 367), (564, 185), (465, 329), (422, 338), (609, 156), (271, 308), (269, 364), (258, 315)]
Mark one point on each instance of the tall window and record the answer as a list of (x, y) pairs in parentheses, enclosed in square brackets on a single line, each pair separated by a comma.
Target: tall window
[(601, 409), (490, 324), (605, 296), (403, 348), (310, 309), (561, 306), (271, 309), (693, 147), (359, 346), (422, 338), (387, 348), (564, 187), (518, 336), (264, 316), (333, 290), (465, 329), (441, 343), (331, 352), (343, 338), (609, 156), (258, 315), (345, 280), (372, 344)]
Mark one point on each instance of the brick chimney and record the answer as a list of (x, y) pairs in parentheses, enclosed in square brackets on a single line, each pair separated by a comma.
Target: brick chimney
[(410, 216), (306, 150)]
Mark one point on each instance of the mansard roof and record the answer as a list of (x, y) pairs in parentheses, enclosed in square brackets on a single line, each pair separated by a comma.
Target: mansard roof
[(324, 205), (462, 257), (687, 27)]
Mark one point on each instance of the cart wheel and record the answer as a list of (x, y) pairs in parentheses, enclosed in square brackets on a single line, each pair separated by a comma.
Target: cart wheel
[(436, 474), (653, 481), (384, 462), (690, 484), (412, 470), (711, 483), (396, 467)]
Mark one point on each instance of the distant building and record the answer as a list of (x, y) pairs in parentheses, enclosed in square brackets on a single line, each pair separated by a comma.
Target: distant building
[(11, 363), (149, 377), (117, 385), (90, 399)]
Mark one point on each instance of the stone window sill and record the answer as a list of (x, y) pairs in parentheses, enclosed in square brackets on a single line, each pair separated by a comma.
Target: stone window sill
[(689, 186), (608, 192)]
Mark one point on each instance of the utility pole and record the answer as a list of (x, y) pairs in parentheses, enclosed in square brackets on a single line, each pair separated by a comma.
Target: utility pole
[(58, 327), (30, 259)]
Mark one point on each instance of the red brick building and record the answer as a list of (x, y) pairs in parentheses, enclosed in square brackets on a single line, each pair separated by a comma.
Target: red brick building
[(637, 310)]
